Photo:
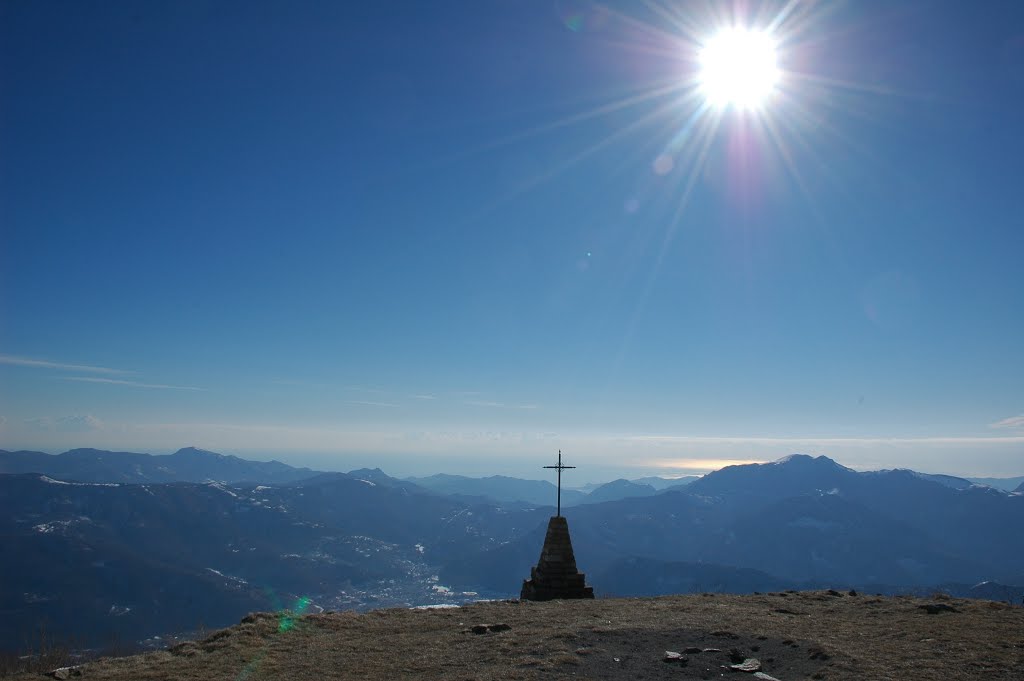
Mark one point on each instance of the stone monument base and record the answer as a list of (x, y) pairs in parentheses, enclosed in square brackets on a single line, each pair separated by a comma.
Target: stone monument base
[(555, 575)]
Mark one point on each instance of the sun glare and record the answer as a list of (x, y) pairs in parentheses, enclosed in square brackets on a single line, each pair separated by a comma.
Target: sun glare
[(738, 68)]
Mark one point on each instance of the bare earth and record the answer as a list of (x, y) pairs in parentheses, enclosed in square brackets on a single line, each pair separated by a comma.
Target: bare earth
[(808, 635)]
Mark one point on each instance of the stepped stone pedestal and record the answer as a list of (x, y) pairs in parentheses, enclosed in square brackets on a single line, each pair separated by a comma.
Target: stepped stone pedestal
[(555, 575)]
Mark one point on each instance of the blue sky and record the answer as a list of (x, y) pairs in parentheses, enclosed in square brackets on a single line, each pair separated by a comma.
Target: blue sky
[(460, 235)]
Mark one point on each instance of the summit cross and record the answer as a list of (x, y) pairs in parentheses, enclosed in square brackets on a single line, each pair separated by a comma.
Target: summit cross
[(559, 468)]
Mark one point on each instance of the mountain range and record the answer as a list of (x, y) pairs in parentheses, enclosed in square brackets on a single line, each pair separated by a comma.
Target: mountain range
[(191, 464), (802, 519), (185, 465), (506, 489), (117, 553)]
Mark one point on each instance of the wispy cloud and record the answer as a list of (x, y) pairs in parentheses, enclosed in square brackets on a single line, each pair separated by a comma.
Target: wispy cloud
[(1012, 422), (46, 364), (423, 397), (133, 384)]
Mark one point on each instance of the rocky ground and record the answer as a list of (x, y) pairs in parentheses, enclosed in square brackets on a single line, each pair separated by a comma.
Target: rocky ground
[(785, 636)]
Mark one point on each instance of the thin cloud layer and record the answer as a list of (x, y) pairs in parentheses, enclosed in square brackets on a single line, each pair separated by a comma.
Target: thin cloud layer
[(133, 384), (1012, 422), (13, 360)]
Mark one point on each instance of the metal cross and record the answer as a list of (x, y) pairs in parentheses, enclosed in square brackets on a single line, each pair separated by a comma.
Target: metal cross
[(559, 468)]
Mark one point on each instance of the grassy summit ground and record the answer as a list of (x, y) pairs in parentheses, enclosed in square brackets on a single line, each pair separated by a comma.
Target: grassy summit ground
[(808, 635)]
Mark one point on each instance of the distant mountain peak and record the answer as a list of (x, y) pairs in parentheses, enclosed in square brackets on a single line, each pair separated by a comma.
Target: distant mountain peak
[(793, 457), (196, 451), (370, 474), (376, 476), (618, 489), (619, 481), (808, 460)]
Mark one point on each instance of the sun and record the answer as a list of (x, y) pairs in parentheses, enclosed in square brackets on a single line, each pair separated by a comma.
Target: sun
[(738, 68)]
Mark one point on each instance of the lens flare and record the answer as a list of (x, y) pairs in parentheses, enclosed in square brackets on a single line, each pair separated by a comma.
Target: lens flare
[(287, 621)]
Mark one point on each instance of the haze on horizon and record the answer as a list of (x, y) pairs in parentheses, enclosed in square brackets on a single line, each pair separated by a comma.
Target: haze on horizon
[(464, 235)]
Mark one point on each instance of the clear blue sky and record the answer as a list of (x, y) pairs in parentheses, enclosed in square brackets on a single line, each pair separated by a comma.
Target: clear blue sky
[(460, 235)]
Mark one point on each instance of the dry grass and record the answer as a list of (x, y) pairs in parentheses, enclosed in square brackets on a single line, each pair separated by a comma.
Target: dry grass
[(42, 653), (795, 635)]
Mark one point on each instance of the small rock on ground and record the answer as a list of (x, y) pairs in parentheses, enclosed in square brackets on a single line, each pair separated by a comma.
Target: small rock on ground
[(936, 608), (751, 664)]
